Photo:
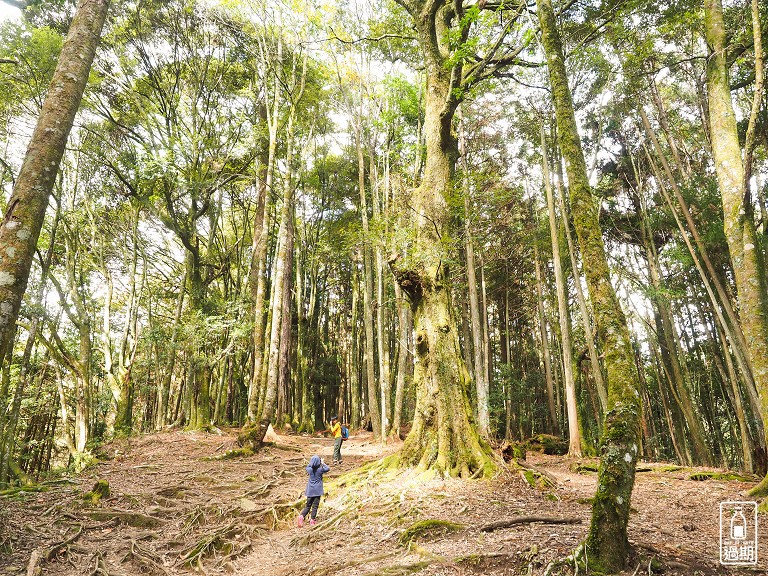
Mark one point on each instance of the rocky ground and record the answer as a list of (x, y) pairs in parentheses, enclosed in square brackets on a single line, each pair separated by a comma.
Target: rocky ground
[(177, 506)]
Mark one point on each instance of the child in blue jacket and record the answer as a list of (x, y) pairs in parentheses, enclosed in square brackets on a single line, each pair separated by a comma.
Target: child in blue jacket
[(315, 469)]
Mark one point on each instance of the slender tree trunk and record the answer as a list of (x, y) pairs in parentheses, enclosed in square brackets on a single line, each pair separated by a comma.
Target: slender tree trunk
[(402, 360), (544, 341), (597, 371), (382, 344), (370, 369), (574, 430), (25, 212), (757, 101), (286, 337), (670, 348), (356, 388), (711, 278), (165, 387), (479, 372), (258, 269), (606, 546)]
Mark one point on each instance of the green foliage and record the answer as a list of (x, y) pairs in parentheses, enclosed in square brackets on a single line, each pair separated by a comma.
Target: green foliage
[(23, 86)]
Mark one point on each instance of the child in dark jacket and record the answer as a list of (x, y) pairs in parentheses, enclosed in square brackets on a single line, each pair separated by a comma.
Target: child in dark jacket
[(315, 469)]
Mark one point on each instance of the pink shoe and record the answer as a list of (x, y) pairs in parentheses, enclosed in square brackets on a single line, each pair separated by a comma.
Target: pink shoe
[(300, 521), (312, 522)]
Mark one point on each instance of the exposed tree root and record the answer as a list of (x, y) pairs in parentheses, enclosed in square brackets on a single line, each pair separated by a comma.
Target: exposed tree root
[(534, 477), (41, 555), (477, 559), (338, 568), (401, 569), (527, 520), (322, 529), (232, 454), (133, 519), (726, 476), (147, 560), (273, 516), (264, 489), (221, 542), (100, 567), (422, 527), (174, 491)]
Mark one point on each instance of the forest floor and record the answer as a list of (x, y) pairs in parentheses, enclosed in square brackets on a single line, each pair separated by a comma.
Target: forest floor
[(174, 509)]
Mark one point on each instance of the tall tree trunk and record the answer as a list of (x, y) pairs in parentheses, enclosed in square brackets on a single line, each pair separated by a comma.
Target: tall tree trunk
[(257, 277), (286, 338), (165, 386), (479, 372), (355, 404), (670, 347), (382, 342), (25, 212), (606, 546), (738, 222), (589, 336), (370, 369), (402, 360), (544, 341), (711, 278), (574, 430), (443, 436), (9, 421), (255, 432)]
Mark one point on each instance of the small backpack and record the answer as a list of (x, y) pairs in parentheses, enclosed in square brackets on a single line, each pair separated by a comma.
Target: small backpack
[(344, 433)]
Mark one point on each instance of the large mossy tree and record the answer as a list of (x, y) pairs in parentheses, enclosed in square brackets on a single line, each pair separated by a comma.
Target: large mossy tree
[(607, 546), (444, 435)]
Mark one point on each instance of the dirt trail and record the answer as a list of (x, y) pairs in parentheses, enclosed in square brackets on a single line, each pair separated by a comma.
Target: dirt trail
[(174, 510)]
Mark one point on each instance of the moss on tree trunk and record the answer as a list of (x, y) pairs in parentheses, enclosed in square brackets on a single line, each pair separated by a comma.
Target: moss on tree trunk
[(738, 221), (444, 435), (606, 546), (25, 212)]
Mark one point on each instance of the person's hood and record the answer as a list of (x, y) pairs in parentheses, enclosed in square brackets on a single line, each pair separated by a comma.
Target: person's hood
[(314, 462)]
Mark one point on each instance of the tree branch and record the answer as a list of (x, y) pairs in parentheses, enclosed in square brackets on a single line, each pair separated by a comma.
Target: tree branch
[(528, 520), (335, 36)]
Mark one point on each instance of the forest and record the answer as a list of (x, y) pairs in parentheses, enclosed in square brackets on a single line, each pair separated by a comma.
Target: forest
[(469, 228)]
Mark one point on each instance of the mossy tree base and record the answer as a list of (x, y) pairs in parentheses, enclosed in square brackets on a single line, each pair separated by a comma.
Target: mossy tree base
[(251, 436), (444, 436), (761, 490), (607, 547)]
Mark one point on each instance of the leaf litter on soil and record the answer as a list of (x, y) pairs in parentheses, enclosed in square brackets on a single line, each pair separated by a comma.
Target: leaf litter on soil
[(173, 508)]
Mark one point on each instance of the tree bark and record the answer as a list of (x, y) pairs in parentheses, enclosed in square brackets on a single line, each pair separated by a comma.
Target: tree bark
[(738, 223), (26, 208), (478, 347), (544, 341), (574, 431), (589, 335), (444, 436), (606, 546), (370, 369)]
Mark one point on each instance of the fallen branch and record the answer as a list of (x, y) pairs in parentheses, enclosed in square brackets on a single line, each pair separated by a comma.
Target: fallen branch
[(528, 520), (35, 559), (531, 474)]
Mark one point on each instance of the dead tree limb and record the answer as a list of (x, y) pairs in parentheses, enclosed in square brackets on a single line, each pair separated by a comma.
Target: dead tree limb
[(528, 520)]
